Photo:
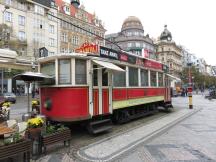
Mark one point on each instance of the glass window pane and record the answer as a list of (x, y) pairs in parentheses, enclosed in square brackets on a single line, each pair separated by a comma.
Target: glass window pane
[(80, 71), (95, 75), (104, 77), (64, 71), (153, 79), (119, 79), (48, 69), (160, 80), (133, 76), (144, 78)]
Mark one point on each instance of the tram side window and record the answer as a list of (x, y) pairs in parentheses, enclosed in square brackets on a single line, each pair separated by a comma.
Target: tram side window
[(95, 75), (80, 71), (153, 79), (144, 78), (64, 71), (160, 80), (133, 77), (119, 79), (48, 69), (104, 77)]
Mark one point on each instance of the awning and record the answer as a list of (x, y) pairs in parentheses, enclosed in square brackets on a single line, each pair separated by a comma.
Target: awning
[(173, 77), (7, 53), (31, 76), (108, 65)]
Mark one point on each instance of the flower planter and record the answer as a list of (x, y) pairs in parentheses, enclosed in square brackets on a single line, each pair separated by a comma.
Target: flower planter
[(62, 135), (33, 133), (13, 149)]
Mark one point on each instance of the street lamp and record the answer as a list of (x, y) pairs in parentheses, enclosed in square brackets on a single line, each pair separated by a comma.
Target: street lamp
[(190, 86)]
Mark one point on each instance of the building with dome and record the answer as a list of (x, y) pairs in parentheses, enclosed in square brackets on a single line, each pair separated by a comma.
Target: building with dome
[(132, 39), (169, 53)]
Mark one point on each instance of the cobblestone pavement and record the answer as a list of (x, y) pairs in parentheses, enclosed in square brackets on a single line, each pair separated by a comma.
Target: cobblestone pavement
[(192, 140)]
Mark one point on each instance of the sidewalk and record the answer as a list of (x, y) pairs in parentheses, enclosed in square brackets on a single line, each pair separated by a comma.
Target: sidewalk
[(112, 147)]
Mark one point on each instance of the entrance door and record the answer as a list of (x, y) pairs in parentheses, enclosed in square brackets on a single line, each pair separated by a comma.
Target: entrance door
[(102, 91)]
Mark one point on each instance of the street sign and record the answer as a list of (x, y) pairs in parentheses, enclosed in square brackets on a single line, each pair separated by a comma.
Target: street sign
[(43, 52)]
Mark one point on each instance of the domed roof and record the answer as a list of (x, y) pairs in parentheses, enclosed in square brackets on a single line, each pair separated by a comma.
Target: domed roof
[(166, 34), (132, 22)]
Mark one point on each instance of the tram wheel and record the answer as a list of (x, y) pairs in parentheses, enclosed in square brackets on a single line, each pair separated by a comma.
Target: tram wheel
[(122, 117)]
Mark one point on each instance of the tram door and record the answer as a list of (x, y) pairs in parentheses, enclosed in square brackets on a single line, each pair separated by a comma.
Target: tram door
[(102, 90)]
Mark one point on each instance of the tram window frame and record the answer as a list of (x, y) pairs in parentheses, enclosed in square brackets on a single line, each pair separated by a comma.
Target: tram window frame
[(48, 81), (83, 80), (153, 80), (160, 79), (120, 81), (133, 80), (144, 78), (64, 69)]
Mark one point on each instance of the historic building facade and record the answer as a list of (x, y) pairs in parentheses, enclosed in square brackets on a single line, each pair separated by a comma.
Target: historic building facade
[(29, 26), (169, 53), (73, 20), (131, 38), (24, 29)]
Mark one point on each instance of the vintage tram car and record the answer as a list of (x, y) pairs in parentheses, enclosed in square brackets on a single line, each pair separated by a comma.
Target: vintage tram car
[(97, 88)]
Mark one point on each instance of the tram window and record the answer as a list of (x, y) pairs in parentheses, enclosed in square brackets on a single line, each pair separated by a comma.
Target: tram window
[(95, 75), (153, 79), (104, 77), (133, 76), (80, 71), (64, 71), (160, 80), (144, 78), (119, 79), (48, 69)]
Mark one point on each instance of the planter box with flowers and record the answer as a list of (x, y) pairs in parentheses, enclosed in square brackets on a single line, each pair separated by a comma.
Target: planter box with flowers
[(34, 128), (36, 106), (54, 134), (5, 111), (16, 145)]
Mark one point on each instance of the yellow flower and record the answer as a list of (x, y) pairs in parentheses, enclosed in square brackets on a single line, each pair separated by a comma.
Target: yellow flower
[(35, 122)]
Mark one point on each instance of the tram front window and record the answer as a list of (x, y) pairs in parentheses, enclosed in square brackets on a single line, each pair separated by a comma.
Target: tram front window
[(64, 71), (48, 69), (80, 71)]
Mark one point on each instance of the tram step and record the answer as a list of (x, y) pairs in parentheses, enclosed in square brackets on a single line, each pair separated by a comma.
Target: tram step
[(169, 105), (99, 126)]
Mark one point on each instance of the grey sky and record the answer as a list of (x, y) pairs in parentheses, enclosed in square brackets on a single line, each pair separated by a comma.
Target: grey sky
[(191, 22)]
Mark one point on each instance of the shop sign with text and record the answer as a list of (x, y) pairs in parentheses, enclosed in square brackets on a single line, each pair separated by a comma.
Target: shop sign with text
[(88, 48), (109, 53)]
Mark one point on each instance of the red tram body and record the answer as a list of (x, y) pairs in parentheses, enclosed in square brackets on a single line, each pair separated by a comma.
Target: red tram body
[(107, 85)]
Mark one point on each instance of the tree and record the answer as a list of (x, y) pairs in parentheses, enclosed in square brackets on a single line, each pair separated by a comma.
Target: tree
[(199, 80)]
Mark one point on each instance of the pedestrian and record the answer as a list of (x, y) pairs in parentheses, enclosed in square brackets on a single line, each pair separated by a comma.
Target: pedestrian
[(33, 93), (186, 92)]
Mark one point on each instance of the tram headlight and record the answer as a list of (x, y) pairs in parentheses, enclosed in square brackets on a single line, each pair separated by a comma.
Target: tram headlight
[(48, 104)]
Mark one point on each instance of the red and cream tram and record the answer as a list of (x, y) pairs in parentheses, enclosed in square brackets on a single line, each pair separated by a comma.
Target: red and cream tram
[(101, 87)]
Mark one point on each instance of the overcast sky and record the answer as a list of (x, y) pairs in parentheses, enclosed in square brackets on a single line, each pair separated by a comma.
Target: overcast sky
[(191, 22)]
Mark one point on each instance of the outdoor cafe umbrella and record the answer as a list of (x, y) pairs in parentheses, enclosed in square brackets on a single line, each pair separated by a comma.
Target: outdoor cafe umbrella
[(29, 77)]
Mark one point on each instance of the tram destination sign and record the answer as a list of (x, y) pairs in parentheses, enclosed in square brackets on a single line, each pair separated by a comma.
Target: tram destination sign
[(109, 53)]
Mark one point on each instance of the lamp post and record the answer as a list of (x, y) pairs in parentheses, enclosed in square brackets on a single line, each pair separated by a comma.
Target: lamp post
[(190, 86), (2, 71)]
